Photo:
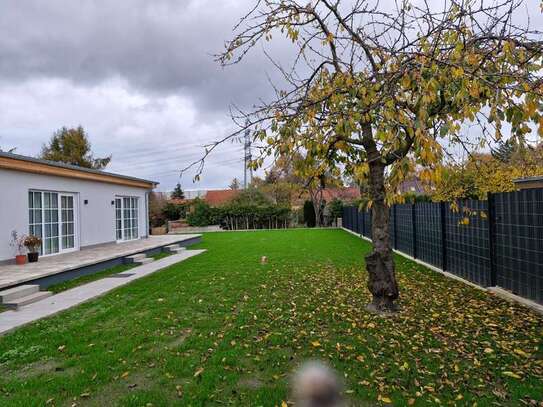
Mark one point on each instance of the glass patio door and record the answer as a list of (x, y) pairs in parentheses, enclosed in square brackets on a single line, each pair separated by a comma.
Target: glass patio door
[(126, 218), (52, 217)]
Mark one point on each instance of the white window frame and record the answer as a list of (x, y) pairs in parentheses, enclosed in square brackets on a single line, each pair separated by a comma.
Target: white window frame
[(129, 218), (42, 224)]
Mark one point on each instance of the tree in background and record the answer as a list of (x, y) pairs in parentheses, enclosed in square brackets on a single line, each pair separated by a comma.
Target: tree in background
[(281, 184), (482, 173), (376, 89), (235, 185), (177, 192), (335, 209), (72, 146)]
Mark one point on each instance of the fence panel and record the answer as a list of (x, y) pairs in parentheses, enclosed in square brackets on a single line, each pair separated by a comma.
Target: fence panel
[(359, 227), (367, 224), (404, 229), (518, 243), (468, 242), (392, 227), (428, 233)]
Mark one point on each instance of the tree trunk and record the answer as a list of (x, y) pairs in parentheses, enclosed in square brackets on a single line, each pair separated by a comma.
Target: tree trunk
[(380, 263)]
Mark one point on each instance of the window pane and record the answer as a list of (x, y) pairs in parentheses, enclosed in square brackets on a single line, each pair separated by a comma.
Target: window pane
[(37, 200), (54, 246)]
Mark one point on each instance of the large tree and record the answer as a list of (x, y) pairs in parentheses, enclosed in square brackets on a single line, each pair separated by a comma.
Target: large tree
[(378, 87), (72, 146)]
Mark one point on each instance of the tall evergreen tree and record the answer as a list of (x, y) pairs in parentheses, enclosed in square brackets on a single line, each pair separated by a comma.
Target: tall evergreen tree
[(505, 151), (235, 184), (178, 192)]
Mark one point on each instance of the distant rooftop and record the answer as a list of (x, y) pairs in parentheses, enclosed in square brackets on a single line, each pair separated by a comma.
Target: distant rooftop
[(528, 179)]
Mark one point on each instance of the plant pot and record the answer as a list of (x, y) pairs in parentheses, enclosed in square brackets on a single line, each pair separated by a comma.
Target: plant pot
[(33, 257), (20, 259)]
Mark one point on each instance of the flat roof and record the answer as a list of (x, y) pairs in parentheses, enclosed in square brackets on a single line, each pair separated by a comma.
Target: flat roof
[(94, 175)]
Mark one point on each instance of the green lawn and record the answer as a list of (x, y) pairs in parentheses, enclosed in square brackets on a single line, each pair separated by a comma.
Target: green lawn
[(222, 329)]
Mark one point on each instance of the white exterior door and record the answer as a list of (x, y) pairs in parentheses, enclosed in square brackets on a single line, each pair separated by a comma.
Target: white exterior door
[(126, 218), (53, 218)]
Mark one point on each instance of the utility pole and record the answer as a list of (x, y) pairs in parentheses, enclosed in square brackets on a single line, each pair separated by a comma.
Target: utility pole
[(247, 157)]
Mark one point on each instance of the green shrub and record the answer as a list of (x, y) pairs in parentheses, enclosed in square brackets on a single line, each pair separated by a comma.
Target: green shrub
[(335, 208), (174, 211), (202, 214)]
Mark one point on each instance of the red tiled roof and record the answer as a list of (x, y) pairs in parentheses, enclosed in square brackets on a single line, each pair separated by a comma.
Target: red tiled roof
[(220, 197), (345, 194)]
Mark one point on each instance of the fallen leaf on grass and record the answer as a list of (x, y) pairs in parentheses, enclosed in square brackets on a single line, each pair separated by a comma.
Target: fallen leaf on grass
[(511, 374), (199, 372)]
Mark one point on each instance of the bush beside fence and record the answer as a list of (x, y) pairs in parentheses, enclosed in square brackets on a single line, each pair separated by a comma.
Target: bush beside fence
[(498, 242)]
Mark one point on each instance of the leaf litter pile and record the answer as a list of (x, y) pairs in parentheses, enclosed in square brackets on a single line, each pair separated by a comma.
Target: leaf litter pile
[(225, 328)]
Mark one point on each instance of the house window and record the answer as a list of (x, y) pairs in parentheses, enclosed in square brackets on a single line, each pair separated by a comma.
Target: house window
[(126, 218)]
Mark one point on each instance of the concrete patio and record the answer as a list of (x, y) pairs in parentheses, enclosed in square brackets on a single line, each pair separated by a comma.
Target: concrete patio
[(86, 261)]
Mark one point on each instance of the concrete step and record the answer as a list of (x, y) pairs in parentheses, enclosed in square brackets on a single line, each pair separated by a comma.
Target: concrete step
[(144, 261), (29, 299), (135, 258), (174, 248), (18, 292)]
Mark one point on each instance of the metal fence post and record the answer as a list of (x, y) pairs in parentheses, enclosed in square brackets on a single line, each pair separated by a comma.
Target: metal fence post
[(362, 232), (443, 216), (414, 220), (491, 237)]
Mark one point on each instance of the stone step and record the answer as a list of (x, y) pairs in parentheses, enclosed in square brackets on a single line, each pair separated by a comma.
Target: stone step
[(135, 258), (29, 299), (18, 292), (145, 261), (178, 250), (172, 246)]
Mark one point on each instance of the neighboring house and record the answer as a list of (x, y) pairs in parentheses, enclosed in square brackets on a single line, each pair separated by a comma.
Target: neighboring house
[(348, 194), (69, 207), (220, 196)]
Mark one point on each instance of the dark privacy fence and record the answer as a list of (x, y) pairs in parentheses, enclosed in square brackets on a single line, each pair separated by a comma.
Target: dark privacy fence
[(498, 242)]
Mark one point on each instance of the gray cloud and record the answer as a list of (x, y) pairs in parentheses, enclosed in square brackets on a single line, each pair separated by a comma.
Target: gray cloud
[(138, 75), (162, 46)]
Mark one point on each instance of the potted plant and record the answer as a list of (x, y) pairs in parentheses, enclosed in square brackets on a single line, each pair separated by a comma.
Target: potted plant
[(33, 244), (18, 244)]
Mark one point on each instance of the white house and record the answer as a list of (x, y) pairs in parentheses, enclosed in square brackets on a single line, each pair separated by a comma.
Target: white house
[(69, 207)]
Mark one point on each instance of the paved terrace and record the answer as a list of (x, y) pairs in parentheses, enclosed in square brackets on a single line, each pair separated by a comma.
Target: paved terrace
[(11, 275)]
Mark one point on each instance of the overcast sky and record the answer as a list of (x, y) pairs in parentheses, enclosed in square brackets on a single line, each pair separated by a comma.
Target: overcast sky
[(138, 75)]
